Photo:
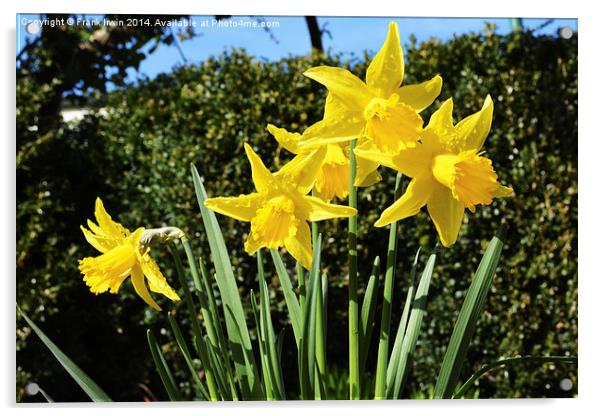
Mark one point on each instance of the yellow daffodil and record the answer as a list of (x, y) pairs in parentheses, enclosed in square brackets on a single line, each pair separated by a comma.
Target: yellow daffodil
[(279, 210), (448, 169), (379, 110), (333, 175), (124, 254)]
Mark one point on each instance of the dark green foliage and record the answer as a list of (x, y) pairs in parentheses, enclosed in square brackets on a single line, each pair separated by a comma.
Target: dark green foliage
[(136, 154)]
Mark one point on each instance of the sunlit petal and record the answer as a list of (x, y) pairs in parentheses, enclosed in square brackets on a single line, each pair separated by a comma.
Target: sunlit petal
[(241, 207), (415, 197), (447, 213), (385, 73), (420, 96)]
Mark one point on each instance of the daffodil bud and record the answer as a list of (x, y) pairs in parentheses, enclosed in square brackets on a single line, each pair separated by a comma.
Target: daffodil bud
[(159, 235)]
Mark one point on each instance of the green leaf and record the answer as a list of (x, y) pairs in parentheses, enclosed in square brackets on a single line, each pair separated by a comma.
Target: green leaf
[(468, 318), (268, 336), (413, 330), (236, 325), (46, 396), (367, 313), (393, 381), (223, 345), (506, 361), (162, 368), (187, 358), (292, 304), (88, 386), (380, 387), (307, 356), (263, 356), (320, 338), (196, 328)]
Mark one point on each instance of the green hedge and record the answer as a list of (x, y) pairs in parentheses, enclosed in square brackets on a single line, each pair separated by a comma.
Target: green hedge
[(136, 154)]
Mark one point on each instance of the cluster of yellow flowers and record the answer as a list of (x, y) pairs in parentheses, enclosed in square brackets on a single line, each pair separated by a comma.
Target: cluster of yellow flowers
[(448, 170)]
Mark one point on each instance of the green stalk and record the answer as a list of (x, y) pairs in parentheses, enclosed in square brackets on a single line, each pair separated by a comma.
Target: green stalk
[(380, 388), (354, 374)]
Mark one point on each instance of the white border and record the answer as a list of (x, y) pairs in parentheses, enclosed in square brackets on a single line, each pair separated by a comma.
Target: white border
[(589, 228)]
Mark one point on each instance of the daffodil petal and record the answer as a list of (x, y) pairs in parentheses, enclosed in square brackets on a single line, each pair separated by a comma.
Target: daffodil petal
[(366, 172), (156, 281), (367, 180), (340, 126), (342, 83), (473, 130), (413, 162), (262, 177), (385, 72), (303, 169), (299, 245), (333, 105), (443, 118), (447, 213), (286, 139), (141, 289), (503, 192), (367, 152), (106, 223), (252, 244), (318, 210), (241, 207), (420, 96), (99, 242), (414, 198)]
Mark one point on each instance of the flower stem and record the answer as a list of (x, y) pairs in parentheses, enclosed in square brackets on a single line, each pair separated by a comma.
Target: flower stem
[(380, 387), (354, 376)]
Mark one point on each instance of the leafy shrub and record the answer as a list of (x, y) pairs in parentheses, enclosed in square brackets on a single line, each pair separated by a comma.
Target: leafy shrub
[(136, 152)]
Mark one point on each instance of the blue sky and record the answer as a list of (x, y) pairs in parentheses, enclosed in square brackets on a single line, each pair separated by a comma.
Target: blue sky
[(289, 36)]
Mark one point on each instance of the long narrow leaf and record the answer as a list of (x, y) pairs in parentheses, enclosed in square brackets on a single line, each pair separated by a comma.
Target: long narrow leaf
[(263, 355), (367, 313), (506, 361), (236, 325), (267, 331), (320, 340), (88, 386), (46, 396), (292, 304), (187, 358), (468, 318), (380, 388), (196, 328), (162, 368), (413, 329), (308, 341), (223, 345), (401, 329)]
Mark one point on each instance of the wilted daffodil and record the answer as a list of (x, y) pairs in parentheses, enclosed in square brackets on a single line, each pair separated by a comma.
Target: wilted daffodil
[(279, 210), (449, 171), (379, 109), (333, 175), (124, 254)]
